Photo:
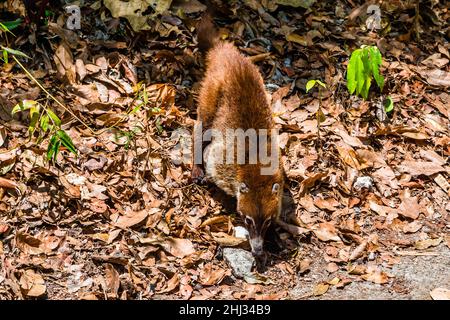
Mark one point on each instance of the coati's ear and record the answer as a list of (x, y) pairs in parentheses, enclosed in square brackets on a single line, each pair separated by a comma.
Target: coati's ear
[(243, 188), (275, 188)]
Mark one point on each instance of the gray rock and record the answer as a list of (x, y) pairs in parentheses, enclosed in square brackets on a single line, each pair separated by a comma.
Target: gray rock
[(240, 261)]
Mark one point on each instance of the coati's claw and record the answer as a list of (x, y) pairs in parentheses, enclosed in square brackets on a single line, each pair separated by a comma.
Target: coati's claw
[(197, 175)]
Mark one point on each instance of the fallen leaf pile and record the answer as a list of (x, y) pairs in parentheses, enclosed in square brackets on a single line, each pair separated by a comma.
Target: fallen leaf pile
[(122, 219)]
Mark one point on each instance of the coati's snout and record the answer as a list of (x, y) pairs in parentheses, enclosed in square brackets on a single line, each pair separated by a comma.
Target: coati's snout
[(259, 206)]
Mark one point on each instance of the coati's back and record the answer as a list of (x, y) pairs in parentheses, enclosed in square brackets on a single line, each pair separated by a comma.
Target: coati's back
[(233, 90), (232, 96)]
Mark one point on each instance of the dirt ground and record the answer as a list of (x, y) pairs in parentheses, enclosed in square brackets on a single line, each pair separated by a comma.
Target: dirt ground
[(415, 278)]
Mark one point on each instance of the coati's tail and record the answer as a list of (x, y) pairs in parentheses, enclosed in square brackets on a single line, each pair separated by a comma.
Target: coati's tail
[(207, 34)]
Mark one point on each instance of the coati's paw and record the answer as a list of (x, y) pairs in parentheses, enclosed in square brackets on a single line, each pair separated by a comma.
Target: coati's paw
[(198, 175)]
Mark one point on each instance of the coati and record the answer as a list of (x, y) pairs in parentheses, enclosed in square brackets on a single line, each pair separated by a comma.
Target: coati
[(232, 97)]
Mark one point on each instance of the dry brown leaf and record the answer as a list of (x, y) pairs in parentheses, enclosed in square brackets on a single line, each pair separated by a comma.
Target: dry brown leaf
[(417, 168), (320, 289), (332, 267), (112, 280), (424, 244), (442, 182), (8, 184), (440, 294), (32, 284), (172, 284), (351, 141), (304, 265), (381, 210), (326, 204), (359, 251), (309, 182), (131, 219), (357, 269), (334, 281), (28, 244), (210, 276), (179, 248), (225, 240), (412, 227), (64, 63), (349, 156), (410, 208), (376, 276), (326, 231)]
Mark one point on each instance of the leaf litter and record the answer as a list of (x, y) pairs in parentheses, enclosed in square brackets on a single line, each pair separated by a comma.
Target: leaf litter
[(123, 221)]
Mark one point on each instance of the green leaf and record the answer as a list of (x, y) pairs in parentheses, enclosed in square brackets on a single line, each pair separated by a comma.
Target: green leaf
[(5, 56), (24, 105), (54, 117), (351, 71), (52, 148), (44, 122), (34, 117), (310, 84), (375, 63), (15, 52), (145, 96), (366, 87), (360, 75), (389, 104), (10, 25), (66, 141)]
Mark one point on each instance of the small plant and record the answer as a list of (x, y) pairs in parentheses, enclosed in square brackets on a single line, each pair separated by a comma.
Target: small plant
[(44, 120), (364, 65), (388, 105), (6, 27), (319, 115)]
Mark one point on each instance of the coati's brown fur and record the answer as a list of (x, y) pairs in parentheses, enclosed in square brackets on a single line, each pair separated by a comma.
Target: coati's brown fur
[(232, 96)]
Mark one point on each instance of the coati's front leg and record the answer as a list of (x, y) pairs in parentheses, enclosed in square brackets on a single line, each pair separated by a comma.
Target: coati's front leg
[(199, 145)]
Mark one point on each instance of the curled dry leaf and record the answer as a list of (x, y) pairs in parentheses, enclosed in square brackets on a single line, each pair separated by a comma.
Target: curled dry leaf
[(177, 247), (211, 276), (359, 251), (112, 280), (442, 182), (32, 284), (350, 157), (225, 240), (326, 231), (376, 276), (8, 184), (172, 284), (28, 244), (311, 181)]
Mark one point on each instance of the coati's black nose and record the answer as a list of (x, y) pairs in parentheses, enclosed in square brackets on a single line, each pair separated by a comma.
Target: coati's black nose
[(257, 245)]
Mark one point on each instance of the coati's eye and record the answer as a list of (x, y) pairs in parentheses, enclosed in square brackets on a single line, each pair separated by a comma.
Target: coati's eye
[(267, 223), (275, 188), (243, 188), (248, 221)]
